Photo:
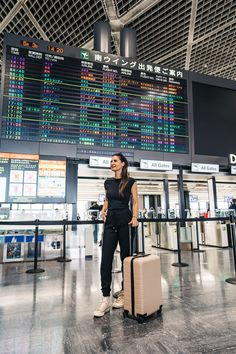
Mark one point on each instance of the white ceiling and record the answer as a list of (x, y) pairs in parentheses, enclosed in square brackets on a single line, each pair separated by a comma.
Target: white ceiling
[(197, 35)]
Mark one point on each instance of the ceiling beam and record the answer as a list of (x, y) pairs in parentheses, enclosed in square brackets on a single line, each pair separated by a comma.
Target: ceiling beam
[(191, 33), (171, 54), (35, 22), (117, 22), (219, 70), (218, 29), (138, 10), (88, 44), (14, 11), (196, 41), (110, 10)]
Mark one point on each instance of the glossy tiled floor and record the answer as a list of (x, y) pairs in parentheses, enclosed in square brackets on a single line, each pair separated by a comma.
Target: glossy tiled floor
[(52, 312)]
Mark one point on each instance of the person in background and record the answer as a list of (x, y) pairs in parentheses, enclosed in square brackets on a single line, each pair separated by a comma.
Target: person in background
[(145, 224), (95, 206), (117, 217), (144, 213), (233, 205), (94, 216), (151, 213)]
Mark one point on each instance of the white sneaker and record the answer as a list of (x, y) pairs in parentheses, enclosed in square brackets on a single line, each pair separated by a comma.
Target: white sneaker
[(119, 302), (103, 307), (117, 293)]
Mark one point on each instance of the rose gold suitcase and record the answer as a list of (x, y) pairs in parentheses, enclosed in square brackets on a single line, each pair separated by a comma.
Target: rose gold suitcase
[(142, 286)]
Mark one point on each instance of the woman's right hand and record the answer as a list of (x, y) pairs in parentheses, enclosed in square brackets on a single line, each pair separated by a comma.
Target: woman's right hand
[(134, 222), (104, 215)]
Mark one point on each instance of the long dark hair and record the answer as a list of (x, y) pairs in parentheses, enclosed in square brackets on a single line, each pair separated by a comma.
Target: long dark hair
[(124, 173)]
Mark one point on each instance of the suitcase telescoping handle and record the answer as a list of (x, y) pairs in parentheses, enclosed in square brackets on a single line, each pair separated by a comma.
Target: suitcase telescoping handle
[(136, 241)]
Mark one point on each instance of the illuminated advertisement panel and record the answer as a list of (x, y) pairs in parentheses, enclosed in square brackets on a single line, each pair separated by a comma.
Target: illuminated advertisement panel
[(51, 178), (27, 178)]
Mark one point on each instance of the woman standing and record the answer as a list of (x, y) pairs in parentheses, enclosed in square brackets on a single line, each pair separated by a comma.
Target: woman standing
[(117, 216)]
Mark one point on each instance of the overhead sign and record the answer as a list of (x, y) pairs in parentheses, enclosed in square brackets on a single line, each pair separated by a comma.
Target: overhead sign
[(232, 159), (233, 170), (204, 168), (193, 198), (156, 165), (99, 161), (228, 198)]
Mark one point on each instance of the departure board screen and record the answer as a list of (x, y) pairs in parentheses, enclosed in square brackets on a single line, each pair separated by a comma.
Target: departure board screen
[(27, 178), (75, 96)]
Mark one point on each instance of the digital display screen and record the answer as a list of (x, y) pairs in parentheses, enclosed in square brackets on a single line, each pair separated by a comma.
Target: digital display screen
[(4, 172), (51, 178), (26, 178), (75, 96), (23, 176), (214, 112)]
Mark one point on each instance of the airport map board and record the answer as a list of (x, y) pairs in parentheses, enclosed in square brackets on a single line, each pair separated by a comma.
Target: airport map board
[(60, 94)]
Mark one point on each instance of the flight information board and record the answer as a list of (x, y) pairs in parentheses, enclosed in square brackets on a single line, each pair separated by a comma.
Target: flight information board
[(61, 94), (26, 178)]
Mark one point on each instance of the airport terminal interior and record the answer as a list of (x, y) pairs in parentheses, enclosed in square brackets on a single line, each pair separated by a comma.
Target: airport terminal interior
[(81, 81)]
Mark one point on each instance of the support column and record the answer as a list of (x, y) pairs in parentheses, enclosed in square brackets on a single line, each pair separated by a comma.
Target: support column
[(71, 188), (128, 47), (212, 195), (181, 194), (102, 37), (186, 200), (166, 196)]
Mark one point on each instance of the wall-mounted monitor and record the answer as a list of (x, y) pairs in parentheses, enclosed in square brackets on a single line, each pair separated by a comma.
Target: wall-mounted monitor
[(214, 113), (28, 178)]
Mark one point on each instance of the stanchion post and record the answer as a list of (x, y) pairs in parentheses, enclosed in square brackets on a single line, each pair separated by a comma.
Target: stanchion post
[(232, 234), (179, 263), (36, 269), (197, 234), (130, 242), (63, 258), (143, 238), (133, 241)]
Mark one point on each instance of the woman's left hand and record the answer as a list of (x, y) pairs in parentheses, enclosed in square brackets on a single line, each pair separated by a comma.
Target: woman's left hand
[(133, 222)]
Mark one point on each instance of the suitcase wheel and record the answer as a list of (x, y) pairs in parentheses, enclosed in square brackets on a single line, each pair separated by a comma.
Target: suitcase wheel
[(159, 311), (140, 320), (125, 313)]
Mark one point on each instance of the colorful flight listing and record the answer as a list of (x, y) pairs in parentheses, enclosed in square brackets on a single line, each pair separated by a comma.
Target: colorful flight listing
[(92, 99)]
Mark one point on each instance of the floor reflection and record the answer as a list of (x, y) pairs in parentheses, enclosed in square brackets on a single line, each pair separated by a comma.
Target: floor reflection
[(52, 312)]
